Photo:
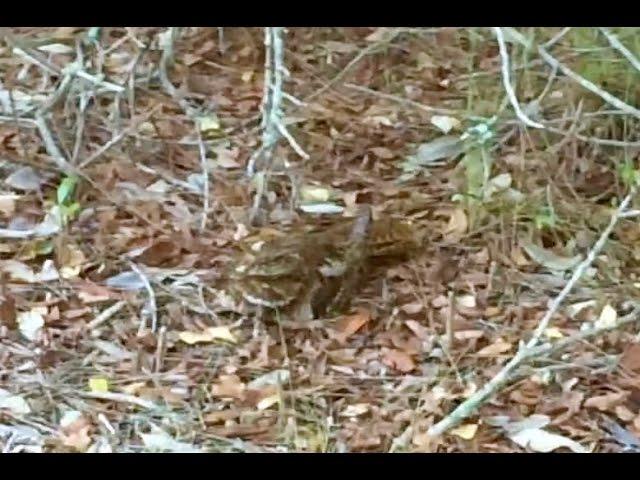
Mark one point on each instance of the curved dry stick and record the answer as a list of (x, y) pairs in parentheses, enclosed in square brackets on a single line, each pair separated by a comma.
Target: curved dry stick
[(526, 351)]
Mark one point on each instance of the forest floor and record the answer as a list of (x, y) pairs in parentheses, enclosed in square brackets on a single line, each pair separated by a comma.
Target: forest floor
[(121, 211)]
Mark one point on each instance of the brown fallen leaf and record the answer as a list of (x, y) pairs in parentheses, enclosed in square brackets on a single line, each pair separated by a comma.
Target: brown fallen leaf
[(7, 308), (412, 308), (605, 402), (466, 432), (350, 324), (75, 313), (17, 271), (529, 394), (398, 360), (463, 335), (636, 423), (75, 434), (221, 416), (496, 348), (624, 414), (418, 330), (89, 292), (457, 225), (242, 431), (160, 252), (211, 334), (630, 359), (229, 386), (70, 259), (382, 152)]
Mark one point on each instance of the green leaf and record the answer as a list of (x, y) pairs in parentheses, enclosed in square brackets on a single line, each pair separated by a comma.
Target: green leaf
[(44, 247), (69, 212), (545, 218), (475, 172), (629, 175), (66, 188)]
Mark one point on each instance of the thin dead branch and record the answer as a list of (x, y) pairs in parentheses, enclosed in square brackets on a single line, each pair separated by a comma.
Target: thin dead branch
[(506, 80), (471, 405)]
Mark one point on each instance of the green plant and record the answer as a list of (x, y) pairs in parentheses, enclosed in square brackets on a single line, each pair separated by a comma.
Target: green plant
[(65, 200)]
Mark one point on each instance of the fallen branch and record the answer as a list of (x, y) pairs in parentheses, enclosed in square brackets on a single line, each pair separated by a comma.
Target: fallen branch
[(593, 88), (106, 314), (391, 35), (153, 310), (115, 140), (550, 348), (121, 398), (271, 99), (528, 350), (617, 44), (404, 101), (205, 180), (506, 80)]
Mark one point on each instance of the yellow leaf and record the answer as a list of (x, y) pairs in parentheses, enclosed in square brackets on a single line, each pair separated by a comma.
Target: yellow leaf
[(69, 272), (209, 123), (146, 128), (466, 301), (423, 61), (469, 390), (8, 204), (444, 123), (133, 388), (458, 223), (350, 324), (312, 193), (247, 76), (268, 401), (98, 385), (607, 318), (496, 348), (553, 332), (355, 410), (211, 334), (466, 432)]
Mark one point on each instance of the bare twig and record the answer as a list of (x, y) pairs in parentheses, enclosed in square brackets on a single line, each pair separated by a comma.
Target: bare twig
[(118, 138), (506, 80), (167, 40), (51, 146), (96, 80), (8, 233), (272, 99), (160, 349), (120, 397), (606, 96), (285, 133), (630, 214), (469, 406), (106, 314), (549, 348), (30, 57), (596, 140), (617, 44), (80, 125), (20, 121), (205, 180), (556, 38), (405, 101), (363, 53), (153, 310)]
